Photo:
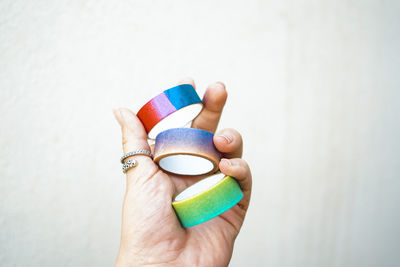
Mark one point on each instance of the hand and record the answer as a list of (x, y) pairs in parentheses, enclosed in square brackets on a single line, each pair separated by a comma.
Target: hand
[(151, 232)]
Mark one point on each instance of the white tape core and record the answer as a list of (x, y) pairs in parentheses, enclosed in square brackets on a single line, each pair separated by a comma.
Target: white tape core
[(177, 119), (186, 164), (200, 186)]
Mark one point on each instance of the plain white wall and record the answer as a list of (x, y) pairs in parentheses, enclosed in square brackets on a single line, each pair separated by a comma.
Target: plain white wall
[(314, 87)]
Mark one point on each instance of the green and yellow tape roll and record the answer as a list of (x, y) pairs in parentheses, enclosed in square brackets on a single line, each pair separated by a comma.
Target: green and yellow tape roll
[(207, 199)]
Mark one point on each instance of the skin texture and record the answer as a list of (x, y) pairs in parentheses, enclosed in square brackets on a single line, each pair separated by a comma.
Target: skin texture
[(151, 232)]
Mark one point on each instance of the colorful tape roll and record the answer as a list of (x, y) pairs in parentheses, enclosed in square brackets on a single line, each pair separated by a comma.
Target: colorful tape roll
[(172, 108), (206, 199), (186, 151)]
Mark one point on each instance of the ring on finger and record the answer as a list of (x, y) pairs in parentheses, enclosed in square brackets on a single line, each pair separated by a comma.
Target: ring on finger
[(136, 152), (128, 165)]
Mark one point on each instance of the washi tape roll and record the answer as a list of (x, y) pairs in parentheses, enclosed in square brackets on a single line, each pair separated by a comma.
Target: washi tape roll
[(207, 199), (172, 108), (186, 151)]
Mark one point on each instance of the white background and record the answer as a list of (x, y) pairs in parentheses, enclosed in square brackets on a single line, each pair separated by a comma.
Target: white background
[(314, 87)]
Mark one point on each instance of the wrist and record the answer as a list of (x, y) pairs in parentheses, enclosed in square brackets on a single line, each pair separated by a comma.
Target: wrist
[(124, 260)]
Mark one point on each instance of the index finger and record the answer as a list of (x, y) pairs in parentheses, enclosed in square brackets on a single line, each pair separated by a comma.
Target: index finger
[(134, 137)]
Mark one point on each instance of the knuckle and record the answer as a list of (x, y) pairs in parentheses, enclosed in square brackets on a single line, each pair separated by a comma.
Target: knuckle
[(242, 164), (125, 141), (237, 135), (245, 164), (234, 133)]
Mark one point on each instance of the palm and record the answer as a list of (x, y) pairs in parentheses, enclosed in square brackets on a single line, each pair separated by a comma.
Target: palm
[(165, 239)]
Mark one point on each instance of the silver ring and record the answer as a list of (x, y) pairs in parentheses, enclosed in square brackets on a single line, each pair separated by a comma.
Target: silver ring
[(129, 164), (136, 152)]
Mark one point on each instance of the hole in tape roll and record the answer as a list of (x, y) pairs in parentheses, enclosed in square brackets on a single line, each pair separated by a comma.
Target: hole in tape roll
[(186, 164), (200, 186), (177, 119)]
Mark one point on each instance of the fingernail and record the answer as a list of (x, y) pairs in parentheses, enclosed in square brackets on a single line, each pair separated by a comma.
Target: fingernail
[(220, 85), (226, 162), (117, 115), (226, 137), (126, 115)]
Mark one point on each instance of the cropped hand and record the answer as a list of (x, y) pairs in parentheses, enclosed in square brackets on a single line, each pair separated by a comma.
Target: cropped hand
[(151, 232)]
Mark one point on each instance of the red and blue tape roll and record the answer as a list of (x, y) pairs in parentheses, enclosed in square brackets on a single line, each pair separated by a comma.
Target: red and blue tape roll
[(168, 102)]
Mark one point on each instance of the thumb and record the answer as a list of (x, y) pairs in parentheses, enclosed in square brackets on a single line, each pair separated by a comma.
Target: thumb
[(134, 137)]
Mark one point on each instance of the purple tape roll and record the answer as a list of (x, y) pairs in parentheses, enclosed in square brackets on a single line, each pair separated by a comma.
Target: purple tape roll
[(186, 151)]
